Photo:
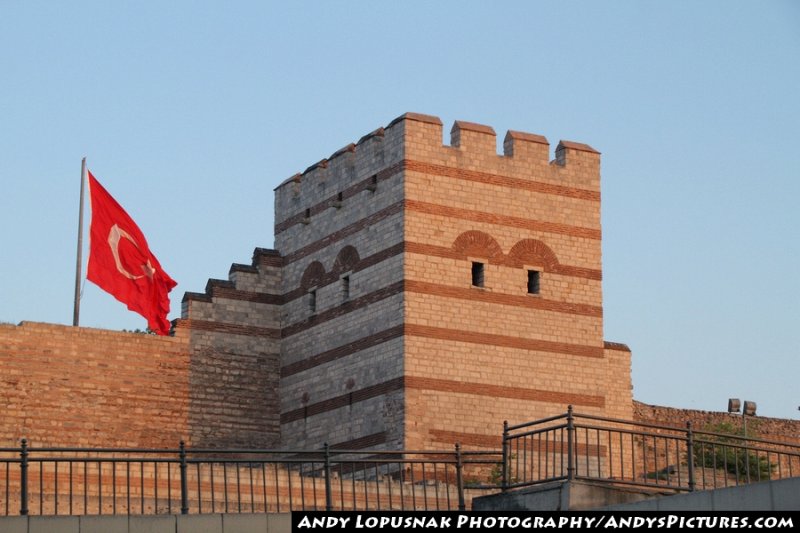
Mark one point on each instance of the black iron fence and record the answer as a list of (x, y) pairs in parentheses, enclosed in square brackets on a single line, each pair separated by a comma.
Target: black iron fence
[(68, 481), (578, 446), (571, 446)]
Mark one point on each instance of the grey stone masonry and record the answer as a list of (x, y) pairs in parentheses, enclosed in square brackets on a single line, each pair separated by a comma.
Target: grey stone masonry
[(339, 228), (235, 354)]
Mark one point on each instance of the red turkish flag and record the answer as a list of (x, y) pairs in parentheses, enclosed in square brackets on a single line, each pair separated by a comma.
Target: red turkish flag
[(120, 262)]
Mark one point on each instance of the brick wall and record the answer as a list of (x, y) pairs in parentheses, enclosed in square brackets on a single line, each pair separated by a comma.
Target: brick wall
[(476, 356), (775, 429), (66, 386), (233, 331), (213, 384)]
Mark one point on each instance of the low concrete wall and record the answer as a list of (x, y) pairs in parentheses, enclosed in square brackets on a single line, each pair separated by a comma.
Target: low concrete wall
[(207, 523), (780, 495), (560, 496)]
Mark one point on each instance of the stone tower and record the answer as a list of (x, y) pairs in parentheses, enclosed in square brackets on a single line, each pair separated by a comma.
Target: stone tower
[(431, 292)]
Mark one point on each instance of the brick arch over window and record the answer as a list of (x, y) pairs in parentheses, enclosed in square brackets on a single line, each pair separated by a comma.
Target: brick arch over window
[(532, 252), (347, 259), (480, 244), (313, 275)]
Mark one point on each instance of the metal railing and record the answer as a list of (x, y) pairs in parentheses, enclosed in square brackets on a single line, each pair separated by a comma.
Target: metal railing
[(77, 481), (577, 446), (571, 446)]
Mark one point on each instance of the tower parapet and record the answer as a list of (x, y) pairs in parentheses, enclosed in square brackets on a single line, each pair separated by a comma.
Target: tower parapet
[(417, 138)]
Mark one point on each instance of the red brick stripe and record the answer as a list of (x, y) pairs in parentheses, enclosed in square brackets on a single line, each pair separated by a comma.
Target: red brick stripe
[(233, 329), (228, 293), (578, 272), (503, 181), (505, 341), (502, 220), (534, 444), (494, 442), (499, 391), (367, 441)]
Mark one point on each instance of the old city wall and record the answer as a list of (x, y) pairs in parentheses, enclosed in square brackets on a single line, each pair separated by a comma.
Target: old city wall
[(478, 355), (213, 384), (65, 386), (233, 331), (773, 429), (338, 226)]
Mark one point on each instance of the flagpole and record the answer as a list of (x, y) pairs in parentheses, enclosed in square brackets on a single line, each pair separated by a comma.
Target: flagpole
[(78, 266)]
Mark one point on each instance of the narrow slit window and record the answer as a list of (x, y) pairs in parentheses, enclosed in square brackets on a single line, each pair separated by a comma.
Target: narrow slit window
[(307, 216), (477, 274), (312, 301), (533, 282), (373, 183), (345, 288)]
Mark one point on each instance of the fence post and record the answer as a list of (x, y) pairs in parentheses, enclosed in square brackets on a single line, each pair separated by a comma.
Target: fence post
[(506, 466), (328, 495), (690, 453), (184, 485), (460, 478), (23, 478), (571, 460)]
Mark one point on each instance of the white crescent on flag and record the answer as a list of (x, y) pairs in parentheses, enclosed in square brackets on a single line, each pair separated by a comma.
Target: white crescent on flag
[(114, 235)]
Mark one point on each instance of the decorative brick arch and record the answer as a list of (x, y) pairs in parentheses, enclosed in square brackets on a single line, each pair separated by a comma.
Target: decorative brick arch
[(532, 252), (313, 275), (347, 259), (480, 244)]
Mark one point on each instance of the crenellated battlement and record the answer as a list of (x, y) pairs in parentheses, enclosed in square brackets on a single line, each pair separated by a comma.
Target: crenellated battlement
[(469, 137), (473, 137), (241, 277), (417, 139)]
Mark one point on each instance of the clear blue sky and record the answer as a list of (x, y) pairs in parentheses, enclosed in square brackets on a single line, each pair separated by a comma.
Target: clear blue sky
[(190, 113)]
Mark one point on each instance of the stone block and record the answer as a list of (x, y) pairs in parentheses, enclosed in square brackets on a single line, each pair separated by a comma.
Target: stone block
[(14, 524), (103, 524), (695, 501), (751, 497), (152, 524), (53, 524), (199, 523), (244, 523), (279, 523)]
